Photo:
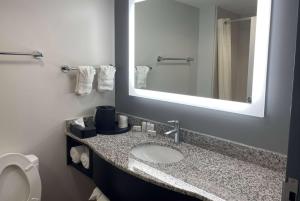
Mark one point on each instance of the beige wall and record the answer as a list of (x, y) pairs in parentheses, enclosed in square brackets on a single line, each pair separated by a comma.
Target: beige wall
[(36, 97), (156, 22)]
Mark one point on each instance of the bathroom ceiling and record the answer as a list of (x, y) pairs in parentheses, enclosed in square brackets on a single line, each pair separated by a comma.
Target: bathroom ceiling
[(242, 7)]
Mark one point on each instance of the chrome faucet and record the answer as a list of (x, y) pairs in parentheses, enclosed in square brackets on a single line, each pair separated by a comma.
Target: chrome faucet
[(175, 131)]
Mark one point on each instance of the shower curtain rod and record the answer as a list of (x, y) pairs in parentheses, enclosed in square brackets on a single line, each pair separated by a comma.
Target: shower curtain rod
[(239, 20)]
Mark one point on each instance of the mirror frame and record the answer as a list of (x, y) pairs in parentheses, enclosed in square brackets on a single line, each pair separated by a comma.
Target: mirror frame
[(256, 108)]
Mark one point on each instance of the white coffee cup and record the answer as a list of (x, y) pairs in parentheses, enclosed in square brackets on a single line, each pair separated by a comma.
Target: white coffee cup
[(122, 121)]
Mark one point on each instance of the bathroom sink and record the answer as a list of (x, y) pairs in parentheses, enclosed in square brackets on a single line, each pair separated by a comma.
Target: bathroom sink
[(155, 153)]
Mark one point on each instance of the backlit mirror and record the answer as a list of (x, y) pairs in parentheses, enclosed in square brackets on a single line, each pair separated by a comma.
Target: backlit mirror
[(206, 53)]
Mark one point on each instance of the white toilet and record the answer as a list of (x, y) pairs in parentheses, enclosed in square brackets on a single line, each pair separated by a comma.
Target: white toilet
[(19, 178)]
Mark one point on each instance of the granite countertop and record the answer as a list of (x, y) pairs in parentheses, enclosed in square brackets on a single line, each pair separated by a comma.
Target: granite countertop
[(203, 174)]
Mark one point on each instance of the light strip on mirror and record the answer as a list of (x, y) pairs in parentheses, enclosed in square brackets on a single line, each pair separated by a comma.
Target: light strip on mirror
[(256, 108)]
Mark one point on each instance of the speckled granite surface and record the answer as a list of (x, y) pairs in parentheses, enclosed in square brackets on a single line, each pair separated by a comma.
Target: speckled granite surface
[(264, 158), (207, 175)]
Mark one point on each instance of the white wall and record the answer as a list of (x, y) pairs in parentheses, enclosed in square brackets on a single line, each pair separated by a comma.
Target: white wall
[(36, 97), (170, 29)]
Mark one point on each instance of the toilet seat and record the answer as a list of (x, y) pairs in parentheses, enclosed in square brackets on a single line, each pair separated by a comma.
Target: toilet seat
[(29, 169)]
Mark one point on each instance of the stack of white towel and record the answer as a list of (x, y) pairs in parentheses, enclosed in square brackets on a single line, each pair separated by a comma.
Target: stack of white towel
[(85, 78), (141, 74), (80, 154), (97, 195)]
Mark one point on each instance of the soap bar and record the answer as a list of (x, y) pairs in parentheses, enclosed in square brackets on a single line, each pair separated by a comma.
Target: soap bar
[(151, 133), (150, 126), (137, 129)]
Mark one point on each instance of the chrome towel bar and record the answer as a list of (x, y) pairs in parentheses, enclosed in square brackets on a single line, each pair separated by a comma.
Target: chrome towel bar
[(35, 54), (66, 68)]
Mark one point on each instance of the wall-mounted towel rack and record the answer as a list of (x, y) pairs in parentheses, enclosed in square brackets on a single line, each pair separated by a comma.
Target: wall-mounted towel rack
[(160, 59), (35, 54), (66, 68)]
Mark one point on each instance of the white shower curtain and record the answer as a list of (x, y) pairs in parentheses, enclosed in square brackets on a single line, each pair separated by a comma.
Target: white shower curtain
[(224, 59)]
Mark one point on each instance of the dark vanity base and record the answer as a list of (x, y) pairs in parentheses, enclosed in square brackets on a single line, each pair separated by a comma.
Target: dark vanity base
[(118, 185), (73, 143), (121, 186)]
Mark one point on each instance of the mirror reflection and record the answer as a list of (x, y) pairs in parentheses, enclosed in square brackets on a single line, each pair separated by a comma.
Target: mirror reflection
[(196, 47)]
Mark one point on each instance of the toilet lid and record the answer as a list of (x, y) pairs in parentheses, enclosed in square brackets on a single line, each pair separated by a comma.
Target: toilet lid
[(30, 171)]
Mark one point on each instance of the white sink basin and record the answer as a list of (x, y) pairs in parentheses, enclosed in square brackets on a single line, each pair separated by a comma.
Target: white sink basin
[(156, 153)]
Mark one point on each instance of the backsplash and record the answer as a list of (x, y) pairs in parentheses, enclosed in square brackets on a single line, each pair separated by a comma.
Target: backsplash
[(264, 158)]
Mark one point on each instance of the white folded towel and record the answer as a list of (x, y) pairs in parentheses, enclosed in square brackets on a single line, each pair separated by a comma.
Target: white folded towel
[(98, 195), (85, 158), (141, 74), (85, 78), (76, 152), (106, 78)]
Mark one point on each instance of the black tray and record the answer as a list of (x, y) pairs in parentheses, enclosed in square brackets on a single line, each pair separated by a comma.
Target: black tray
[(116, 131)]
